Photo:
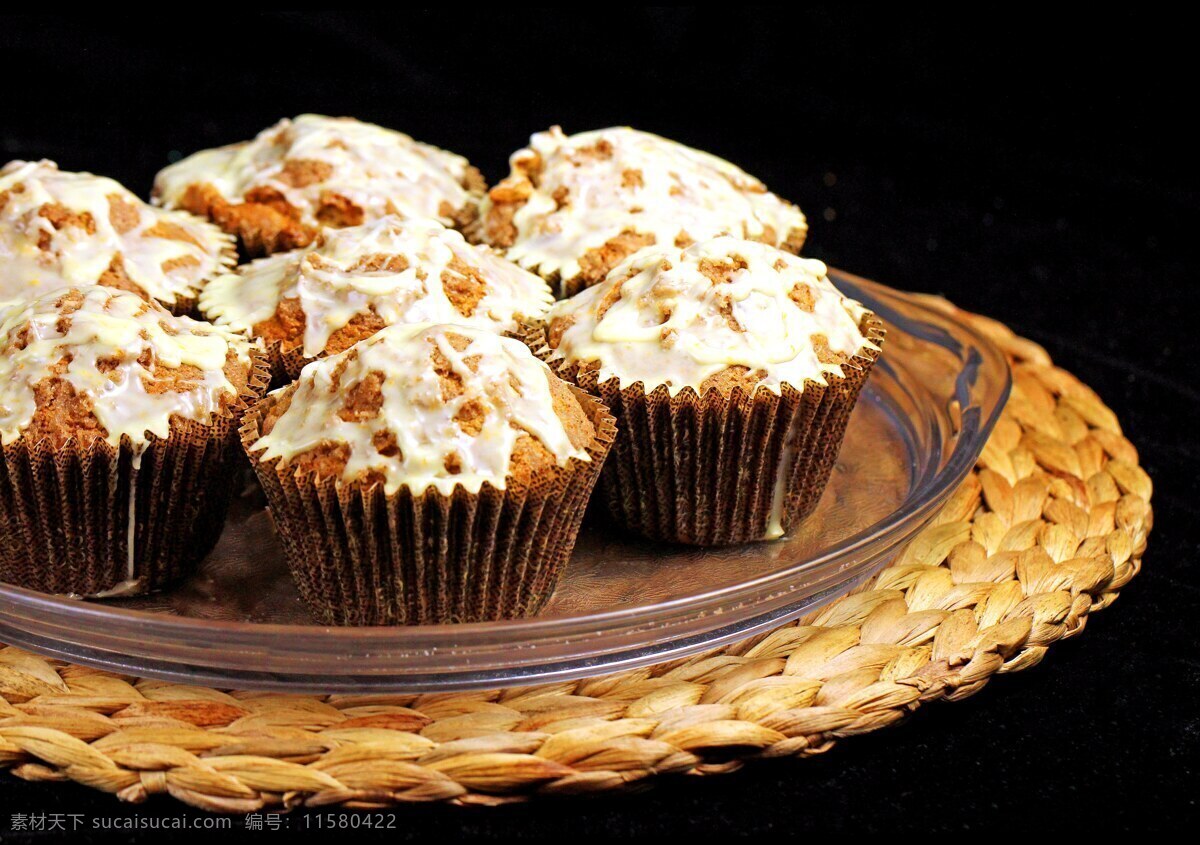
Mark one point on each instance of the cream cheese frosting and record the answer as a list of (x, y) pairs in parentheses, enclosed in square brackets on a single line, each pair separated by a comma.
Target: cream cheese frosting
[(676, 317), (403, 271), (116, 345), (379, 170), (59, 228), (583, 190), (415, 437)]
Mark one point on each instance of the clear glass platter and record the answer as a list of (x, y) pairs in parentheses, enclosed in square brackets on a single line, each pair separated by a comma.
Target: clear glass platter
[(238, 623)]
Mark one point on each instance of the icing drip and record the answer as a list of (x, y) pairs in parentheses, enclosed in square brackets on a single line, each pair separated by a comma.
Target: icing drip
[(399, 270), (59, 228), (131, 515), (116, 346), (129, 587), (779, 492), (416, 436), (588, 188), (679, 316), (379, 170)]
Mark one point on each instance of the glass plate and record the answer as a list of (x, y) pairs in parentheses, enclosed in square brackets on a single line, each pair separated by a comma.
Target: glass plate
[(921, 423)]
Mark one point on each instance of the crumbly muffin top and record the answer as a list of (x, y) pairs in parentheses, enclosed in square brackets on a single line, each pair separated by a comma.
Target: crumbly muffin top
[(427, 405), (59, 229), (353, 282), (575, 205), (93, 362), (721, 313), (330, 171)]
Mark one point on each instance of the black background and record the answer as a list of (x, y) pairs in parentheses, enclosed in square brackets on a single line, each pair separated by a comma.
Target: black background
[(1038, 172)]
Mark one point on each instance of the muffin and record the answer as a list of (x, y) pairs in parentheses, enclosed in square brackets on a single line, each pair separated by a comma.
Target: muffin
[(119, 429), (276, 192), (732, 368), (350, 283), (575, 206), (431, 473), (60, 229)]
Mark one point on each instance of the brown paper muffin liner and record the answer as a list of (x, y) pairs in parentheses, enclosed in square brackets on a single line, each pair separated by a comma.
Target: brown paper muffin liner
[(362, 557), (719, 469), (65, 512), (286, 364)]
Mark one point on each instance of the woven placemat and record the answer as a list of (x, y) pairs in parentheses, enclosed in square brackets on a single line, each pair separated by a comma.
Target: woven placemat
[(1047, 529)]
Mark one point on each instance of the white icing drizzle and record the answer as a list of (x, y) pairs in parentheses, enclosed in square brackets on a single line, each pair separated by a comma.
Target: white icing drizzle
[(166, 268), (779, 491), (128, 587), (347, 273), (111, 325), (619, 180), (380, 170), (508, 383), (671, 323), (131, 519)]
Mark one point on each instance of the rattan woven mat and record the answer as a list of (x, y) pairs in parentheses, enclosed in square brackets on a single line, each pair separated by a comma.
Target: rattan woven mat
[(1048, 528)]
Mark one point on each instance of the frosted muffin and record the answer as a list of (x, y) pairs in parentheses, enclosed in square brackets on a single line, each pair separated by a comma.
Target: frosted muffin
[(350, 283), (276, 192), (61, 229), (732, 368), (575, 206), (119, 429), (431, 473)]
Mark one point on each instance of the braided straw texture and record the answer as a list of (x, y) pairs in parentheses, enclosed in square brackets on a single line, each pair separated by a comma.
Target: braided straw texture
[(1047, 529)]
